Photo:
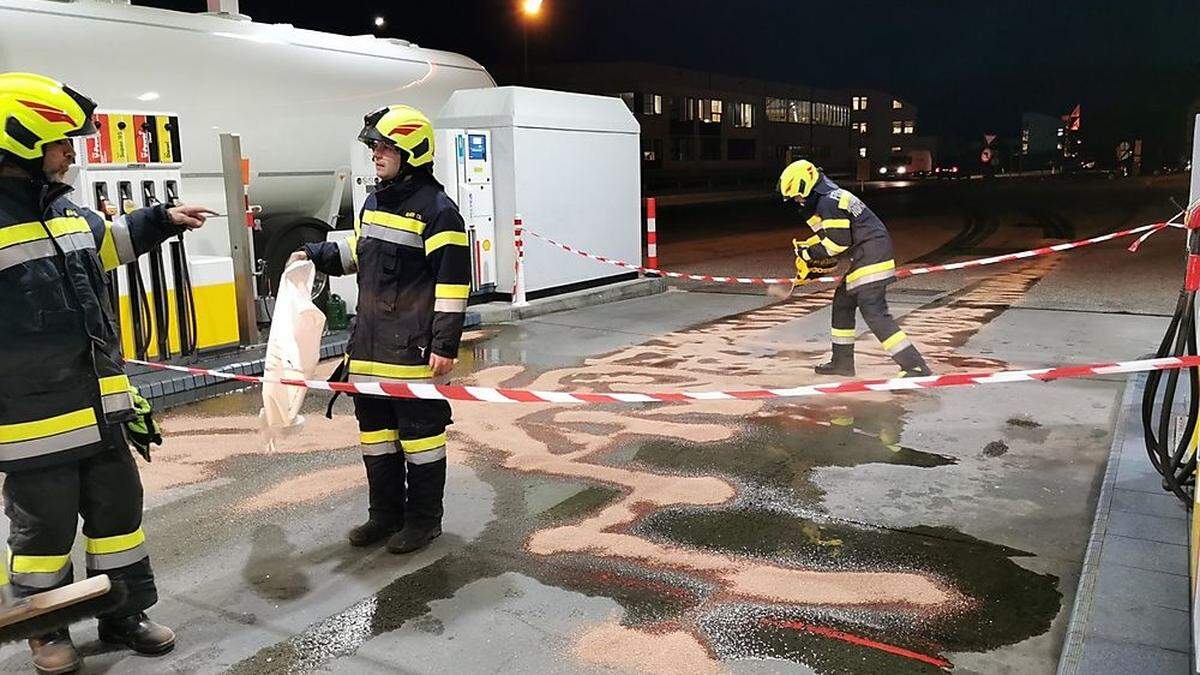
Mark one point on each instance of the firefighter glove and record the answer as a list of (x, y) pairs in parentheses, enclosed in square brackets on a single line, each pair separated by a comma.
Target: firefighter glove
[(142, 430)]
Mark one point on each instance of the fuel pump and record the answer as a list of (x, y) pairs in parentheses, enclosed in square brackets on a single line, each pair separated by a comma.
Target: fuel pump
[(185, 299), (158, 282), (141, 320)]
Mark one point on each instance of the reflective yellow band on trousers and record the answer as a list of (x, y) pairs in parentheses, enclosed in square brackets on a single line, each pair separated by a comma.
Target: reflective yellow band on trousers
[(897, 343), (871, 273), (38, 571), (424, 450), (844, 336), (376, 443), (122, 550)]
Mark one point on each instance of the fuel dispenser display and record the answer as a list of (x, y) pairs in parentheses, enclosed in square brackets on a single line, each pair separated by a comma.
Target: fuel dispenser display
[(471, 185)]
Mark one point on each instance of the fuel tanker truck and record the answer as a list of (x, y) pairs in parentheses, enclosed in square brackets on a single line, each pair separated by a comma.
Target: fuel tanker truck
[(169, 83)]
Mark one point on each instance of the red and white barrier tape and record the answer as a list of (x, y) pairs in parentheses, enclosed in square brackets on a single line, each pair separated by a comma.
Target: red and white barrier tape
[(900, 273), (499, 395)]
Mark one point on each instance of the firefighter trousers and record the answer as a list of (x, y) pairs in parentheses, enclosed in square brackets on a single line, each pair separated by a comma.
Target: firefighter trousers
[(403, 443), (43, 507), (871, 301)]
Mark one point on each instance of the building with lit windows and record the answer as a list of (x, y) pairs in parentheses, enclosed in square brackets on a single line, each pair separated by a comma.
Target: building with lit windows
[(702, 131), (885, 127)]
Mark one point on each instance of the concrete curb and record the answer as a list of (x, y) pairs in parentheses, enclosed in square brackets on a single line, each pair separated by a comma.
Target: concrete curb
[(1071, 658)]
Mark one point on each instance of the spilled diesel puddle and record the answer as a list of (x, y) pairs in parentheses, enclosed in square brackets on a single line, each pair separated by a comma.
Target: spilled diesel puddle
[(672, 499)]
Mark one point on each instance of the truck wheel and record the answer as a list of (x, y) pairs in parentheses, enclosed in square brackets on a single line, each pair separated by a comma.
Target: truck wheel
[(287, 242)]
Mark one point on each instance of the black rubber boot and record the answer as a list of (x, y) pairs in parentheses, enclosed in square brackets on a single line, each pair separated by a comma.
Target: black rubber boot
[(413, 538), (842, 362), (371, 532), (916, 371), (139, 633)]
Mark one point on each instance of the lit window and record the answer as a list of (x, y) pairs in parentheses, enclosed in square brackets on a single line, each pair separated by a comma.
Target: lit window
[(858, 103), (897, 127), (910, 127), (896, 104), (652, 104), (710, 110), (862, 152), (897, 149), (743, 115)]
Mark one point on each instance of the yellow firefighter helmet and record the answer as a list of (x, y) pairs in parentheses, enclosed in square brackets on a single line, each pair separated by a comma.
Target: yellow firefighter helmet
[(404, 128), (36, 110)]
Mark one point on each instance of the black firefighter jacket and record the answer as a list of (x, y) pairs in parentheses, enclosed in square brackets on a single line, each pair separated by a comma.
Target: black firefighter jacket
[(410, 252), (63, 390)]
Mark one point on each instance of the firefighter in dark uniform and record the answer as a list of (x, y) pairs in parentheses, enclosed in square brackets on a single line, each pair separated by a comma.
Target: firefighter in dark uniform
[(410, 253), (65, 401), (842, 224)]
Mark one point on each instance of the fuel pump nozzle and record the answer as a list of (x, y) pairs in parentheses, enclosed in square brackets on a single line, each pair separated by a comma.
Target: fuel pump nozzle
[(185, 299), (158, 281)]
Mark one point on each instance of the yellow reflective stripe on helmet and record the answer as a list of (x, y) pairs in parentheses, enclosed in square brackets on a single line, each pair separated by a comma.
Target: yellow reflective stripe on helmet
[(832, 247), (393, 221), (26, 431), (116, 384), (37, 564), (844, 332), (423, 444), (844, 200), (390, 371), (121, 542), (836, 224), (445, 239), (452, 291), (376, 437), (871, 269), (894, 340)]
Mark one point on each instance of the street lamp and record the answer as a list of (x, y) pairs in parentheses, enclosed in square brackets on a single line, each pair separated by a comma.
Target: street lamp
[(531, 9)]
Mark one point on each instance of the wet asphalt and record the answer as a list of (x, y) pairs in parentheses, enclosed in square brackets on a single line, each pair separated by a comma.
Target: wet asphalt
[(880, 533)]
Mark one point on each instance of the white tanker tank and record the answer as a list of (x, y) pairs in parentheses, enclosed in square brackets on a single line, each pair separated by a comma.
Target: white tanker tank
[(295, 96)]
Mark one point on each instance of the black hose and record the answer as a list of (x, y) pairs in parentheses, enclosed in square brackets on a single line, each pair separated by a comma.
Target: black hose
[(1176, 464)]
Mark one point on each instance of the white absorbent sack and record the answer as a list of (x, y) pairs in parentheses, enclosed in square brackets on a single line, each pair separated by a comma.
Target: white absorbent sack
[(293, 350)]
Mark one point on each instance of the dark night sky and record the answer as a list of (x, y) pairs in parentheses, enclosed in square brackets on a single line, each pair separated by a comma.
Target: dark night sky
[(969, 65)]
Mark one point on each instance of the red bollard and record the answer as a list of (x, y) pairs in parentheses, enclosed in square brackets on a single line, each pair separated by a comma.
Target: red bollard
[(651, 233)]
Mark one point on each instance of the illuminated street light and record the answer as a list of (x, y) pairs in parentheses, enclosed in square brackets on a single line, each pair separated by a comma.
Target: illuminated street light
[(379, 22), (531, 9)]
